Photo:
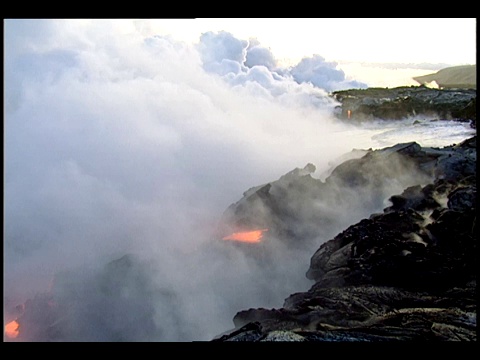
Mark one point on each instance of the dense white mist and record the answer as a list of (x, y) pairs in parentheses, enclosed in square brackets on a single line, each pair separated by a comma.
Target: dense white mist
[(117, 143)]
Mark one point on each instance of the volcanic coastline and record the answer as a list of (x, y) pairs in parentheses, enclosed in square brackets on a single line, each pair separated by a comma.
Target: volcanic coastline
[(404, 273)]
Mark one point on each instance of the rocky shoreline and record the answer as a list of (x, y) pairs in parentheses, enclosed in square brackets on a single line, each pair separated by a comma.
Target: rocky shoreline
[(407, 102), (402, 271), (408, 273)]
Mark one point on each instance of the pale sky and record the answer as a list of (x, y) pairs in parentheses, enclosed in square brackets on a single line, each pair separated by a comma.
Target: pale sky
[(401, 40), (384, 52)]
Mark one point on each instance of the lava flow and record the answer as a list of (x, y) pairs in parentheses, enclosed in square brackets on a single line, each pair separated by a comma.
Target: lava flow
[(253, 236), (11, 329)]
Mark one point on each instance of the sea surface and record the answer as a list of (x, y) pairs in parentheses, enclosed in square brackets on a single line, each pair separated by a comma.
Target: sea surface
[(427, 133)]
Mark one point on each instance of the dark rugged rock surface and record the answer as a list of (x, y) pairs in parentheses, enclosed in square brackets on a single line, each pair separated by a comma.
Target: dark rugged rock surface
[(407, 102), (406, 273)]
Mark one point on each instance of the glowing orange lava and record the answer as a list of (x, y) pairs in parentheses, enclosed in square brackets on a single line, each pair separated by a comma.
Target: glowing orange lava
[(247, 236), (11, 329)]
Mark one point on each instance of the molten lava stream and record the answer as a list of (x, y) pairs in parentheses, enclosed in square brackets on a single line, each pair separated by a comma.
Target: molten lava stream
[(11, 329), (253, 236)]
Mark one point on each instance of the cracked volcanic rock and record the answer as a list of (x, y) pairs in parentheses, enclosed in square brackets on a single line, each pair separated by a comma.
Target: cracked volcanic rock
[(408, 273)]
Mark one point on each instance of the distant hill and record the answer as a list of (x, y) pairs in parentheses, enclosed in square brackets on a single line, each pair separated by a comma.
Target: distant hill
[(464, 76)]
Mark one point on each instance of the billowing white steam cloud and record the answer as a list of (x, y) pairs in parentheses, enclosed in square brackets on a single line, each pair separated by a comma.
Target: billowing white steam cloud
[(116, 143)]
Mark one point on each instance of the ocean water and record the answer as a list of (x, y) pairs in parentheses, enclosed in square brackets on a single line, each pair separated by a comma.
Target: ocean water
[(385, 133), (427, 133)]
